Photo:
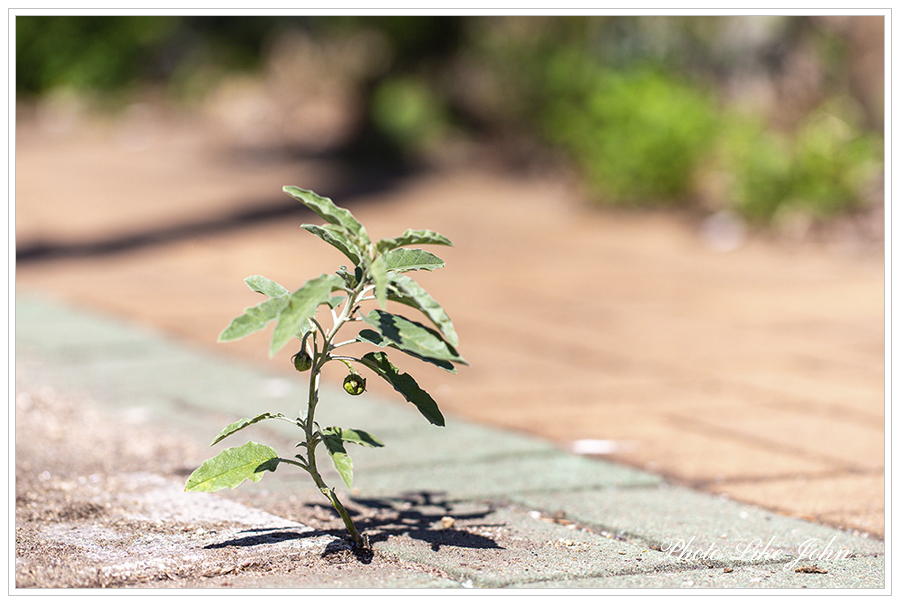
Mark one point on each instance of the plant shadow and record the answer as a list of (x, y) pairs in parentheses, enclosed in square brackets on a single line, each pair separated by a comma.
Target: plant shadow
[(266, 536), (421, 516), (271, 536)]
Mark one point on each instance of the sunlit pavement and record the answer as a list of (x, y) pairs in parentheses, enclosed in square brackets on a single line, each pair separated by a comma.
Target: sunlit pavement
[(756, 373), (465, 506)]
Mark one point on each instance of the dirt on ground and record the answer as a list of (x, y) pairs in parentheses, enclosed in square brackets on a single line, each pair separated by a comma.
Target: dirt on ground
[(90, 512), (100, 503)]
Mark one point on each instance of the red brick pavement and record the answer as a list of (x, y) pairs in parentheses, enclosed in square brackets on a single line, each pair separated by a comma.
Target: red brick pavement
[(757, 373)]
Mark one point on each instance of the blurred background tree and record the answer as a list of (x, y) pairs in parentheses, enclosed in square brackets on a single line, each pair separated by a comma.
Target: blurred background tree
[(765, 116)]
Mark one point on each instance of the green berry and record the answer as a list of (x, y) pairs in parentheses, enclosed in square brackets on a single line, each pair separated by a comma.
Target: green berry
[(302, 361), (355, 384)]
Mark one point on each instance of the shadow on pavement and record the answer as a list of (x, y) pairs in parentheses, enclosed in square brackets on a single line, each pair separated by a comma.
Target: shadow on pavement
[(352, 183), (419, 516), (266, 536)]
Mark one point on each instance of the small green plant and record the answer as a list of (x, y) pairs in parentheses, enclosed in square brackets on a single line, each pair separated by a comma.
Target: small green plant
[(378, 275)]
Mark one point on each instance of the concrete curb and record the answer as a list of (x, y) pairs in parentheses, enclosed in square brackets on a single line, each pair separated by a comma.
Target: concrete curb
[(577, 522)]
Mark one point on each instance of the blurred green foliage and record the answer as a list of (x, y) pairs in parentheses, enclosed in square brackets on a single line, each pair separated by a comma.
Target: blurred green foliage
[(633, 102), (109, 53), (409, 112), (104, 53), (638, 134), (820, 171)]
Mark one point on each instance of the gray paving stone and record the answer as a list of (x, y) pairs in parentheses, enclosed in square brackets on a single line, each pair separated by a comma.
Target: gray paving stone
[(507, 547), (678, 518), (503, 476), (457, 442), (863, 573), (57, 329)]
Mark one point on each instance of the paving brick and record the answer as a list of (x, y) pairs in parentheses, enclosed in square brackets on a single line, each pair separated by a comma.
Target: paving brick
[(863, 573), (821, 497), (512, 548), (831, 439), (868, 522), (666, 516), (498, 477), (661, 437)]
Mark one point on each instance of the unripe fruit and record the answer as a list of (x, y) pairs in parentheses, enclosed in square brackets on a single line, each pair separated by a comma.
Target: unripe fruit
[(355, 384), (302, 361)]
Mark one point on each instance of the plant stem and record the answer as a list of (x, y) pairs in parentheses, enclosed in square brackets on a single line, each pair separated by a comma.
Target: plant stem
[(319, 360)]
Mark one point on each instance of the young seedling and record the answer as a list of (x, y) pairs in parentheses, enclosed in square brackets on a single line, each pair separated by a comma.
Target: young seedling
[(378, 275)]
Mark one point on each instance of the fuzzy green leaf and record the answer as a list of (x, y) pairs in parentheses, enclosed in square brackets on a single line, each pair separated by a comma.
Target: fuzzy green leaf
[(358, 437), (243, 423), (233, 466), (254, 319), (326, 208), (301, 307), (335, 301), (380, 277), (339, 457), (411, 293), (402, 260), (405, 385), (370, 336), (411, 237), (412, 337), (261, 285), (336, 236)]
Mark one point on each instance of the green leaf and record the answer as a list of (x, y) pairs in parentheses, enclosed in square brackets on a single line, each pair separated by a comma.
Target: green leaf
[(336, 236), (326, 208), (411, 237), (411, 293), (412, 337), (233, 466), (339, 457), (358, 437), (335, 301), (405, 385), (379, 276), (370, 336), (253, 319), (301, 307), (402, 260), (260, 284), (243, 423)]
